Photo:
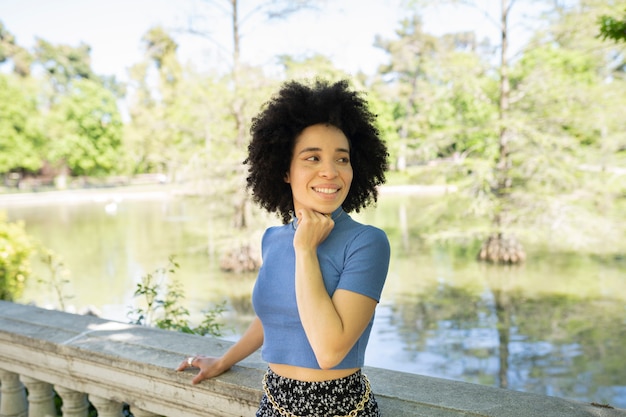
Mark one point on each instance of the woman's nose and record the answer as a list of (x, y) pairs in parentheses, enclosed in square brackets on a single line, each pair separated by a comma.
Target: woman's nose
[(328, 170)]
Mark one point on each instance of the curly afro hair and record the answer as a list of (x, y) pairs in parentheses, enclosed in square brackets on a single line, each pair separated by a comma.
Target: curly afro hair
[(296, 107)]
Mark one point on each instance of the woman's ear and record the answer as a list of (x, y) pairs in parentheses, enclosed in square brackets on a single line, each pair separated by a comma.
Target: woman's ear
[(286, 177)]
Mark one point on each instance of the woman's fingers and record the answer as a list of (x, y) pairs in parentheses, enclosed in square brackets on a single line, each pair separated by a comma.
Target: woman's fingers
[(313, 228), (183, 365), (198, 378), (208, 367), (189, 362)]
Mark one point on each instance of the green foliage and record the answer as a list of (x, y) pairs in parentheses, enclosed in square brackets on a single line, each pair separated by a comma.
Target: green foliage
[(385, 122), (85, 129), (162, 305), (461, 120), (161, 49), (21, 140), (57, 279), (64, 63), (16, 248), (169, 119), (315, 66), (437, 97), (440, 90), (613, 28), (10, 50), (562, 127), (74, 124), (7, 43)]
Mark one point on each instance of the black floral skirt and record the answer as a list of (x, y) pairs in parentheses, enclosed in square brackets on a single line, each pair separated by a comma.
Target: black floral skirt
[(349, 396)]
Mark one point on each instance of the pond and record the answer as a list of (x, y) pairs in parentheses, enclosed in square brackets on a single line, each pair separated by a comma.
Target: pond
[(555, 325)]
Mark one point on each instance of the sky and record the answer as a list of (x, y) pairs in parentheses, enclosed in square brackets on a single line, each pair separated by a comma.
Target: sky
[(344, 30)]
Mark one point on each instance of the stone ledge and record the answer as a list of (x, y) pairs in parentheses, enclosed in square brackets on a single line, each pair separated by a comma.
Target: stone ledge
[(135, 364)]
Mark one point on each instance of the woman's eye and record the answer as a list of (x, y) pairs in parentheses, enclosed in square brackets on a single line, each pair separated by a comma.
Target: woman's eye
[(344, 160)]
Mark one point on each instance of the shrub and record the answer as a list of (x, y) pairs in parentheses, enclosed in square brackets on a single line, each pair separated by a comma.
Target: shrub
[(16, 249), (163, 307)]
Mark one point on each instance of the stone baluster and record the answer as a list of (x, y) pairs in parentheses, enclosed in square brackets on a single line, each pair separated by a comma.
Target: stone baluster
[(40, 397), (106, 407), (141, 413), (13, 396), (75, 403)]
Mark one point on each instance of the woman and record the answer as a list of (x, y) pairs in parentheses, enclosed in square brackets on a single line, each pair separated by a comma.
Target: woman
[(314, 157)]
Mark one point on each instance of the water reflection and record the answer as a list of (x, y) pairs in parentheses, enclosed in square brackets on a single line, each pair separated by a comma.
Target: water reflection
[(554, 326), (566, 345)]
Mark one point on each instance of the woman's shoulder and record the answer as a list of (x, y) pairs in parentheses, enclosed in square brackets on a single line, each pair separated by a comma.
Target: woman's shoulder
[(277, 232), (367, 230), (361, 235)]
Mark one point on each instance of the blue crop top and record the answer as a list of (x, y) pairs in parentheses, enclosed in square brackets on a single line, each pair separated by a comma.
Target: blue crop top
[(354, 257)]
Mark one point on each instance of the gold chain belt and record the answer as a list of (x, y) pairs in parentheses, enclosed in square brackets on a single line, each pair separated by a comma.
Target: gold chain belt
[(281, 410)]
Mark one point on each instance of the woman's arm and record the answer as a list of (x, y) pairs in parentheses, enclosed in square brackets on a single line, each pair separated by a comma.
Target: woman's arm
[(211, 367), (332, 325)]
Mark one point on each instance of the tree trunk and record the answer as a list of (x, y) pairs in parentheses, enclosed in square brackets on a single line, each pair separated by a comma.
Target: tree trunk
[(401, 163), (499, 248), (236, 37), (503, 165)]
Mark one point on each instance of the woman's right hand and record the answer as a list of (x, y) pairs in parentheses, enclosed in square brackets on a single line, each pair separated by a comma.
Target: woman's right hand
[(313, 228), (209, 367)]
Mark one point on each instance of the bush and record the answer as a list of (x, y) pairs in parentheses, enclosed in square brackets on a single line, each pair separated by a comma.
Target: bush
[(163, 307), (16, 249)]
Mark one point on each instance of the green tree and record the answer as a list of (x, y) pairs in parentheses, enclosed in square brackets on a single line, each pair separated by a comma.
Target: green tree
[(151, 137), (83, 114), (523, 136), (494, 172), (85, 130), (520, 149), (439, 87), (570, 132), (408, 55), (443, 100), (21, 139), (10, 50), (64, 63), (7, 43), (183, 125)]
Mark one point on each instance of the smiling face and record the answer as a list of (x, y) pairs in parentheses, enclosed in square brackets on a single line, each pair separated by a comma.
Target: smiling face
[(320, 172)]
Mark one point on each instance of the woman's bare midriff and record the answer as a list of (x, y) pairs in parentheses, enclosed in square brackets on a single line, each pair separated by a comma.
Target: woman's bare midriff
[(308, 374)]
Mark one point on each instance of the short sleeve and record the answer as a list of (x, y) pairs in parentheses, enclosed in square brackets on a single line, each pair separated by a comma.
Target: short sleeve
[(366, 264)]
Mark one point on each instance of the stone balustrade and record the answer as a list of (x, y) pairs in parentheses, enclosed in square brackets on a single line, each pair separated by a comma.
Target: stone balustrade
[(110, 365)]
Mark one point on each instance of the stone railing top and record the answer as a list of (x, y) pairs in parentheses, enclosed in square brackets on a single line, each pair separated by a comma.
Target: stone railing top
[(135, 365)]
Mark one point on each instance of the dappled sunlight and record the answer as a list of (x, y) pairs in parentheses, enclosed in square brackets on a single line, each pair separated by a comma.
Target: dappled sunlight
[(110, 330), (110, 326)]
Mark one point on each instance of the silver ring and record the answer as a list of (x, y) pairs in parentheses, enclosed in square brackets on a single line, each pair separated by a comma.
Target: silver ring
[(189, 360)]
